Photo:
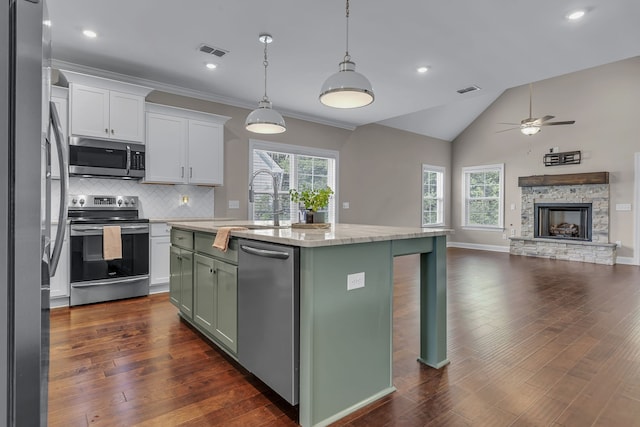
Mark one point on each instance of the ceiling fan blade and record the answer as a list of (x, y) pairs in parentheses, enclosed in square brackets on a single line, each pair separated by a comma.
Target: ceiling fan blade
[(512, 124), (504, 130), (568, 122), (543, 119)]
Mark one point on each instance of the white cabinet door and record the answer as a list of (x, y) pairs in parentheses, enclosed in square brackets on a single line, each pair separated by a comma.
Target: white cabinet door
[(62, 109), (59, 284), (206, 153), (166, 149), (89, 111), (160, 260), (126, 116)]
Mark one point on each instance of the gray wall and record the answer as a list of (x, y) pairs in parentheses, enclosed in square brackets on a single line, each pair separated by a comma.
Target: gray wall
[(605, 103), (380, 167)]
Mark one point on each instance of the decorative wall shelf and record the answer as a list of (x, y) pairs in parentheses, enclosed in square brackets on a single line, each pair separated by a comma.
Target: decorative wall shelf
[(566, 158)]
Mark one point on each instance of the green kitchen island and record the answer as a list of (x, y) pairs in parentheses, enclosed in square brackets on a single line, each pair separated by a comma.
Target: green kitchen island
[(346, 340)]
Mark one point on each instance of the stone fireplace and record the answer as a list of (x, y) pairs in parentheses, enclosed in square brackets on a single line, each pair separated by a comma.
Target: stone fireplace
[(565, 217)]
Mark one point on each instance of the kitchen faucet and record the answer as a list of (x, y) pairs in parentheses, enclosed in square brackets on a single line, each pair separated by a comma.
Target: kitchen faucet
[(276, 185)]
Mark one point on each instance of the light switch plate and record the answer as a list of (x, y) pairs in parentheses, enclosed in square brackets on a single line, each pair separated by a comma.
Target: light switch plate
[(623, 206), (345, 205), (355, 281), (234, 204)]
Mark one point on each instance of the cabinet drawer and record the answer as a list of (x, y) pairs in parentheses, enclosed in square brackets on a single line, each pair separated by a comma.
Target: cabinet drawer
[(160, 229), (181, 238), (204, 244)]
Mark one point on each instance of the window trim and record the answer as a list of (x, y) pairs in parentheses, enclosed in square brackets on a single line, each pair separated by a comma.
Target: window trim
[(437, 169), (258, 144), (482, 168)]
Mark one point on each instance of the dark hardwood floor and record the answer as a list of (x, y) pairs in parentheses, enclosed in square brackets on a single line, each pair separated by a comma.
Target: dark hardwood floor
[(532, 342)]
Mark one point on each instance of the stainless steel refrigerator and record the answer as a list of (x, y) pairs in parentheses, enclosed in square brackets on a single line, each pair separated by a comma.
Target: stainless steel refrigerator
[(25, 260)]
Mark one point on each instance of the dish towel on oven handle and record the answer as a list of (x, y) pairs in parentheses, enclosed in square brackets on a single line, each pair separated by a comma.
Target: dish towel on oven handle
[(111, 242), (222, 237)]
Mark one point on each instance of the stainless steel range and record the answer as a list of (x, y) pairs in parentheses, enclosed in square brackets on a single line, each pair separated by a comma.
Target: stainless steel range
[(94, 278)]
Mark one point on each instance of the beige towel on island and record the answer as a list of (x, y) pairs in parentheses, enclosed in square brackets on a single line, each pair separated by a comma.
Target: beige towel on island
[(111, 242), (222, 238)]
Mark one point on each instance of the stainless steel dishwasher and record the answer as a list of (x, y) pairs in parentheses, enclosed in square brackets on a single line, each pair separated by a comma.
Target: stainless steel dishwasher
[(268, 314)]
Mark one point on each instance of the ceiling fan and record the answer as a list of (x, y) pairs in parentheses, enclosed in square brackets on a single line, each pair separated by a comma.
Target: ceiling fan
[(532, 125)]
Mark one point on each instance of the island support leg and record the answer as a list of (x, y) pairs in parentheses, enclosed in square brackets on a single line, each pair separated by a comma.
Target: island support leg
[(433, 305)]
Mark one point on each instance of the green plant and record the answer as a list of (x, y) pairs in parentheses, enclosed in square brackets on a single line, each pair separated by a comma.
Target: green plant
[(311, 199)]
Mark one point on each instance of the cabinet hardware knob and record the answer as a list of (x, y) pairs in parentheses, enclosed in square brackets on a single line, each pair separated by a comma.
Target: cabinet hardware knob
[(211, 270), (112, 132), (106, 130)]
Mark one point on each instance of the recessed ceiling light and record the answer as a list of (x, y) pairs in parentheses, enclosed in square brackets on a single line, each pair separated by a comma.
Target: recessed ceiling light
[(211, 66), (423, 70), (574, 16), (47, 22), (90, 34)]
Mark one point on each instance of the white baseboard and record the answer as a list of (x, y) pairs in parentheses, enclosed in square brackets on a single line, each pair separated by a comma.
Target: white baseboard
[(477, 246), (159, 288), (625, 260)]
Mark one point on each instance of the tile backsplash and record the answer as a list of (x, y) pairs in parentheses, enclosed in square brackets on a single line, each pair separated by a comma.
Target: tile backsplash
[(156, 201)]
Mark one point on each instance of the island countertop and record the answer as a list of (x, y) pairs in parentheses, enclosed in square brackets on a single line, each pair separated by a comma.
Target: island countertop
[(338, 234)]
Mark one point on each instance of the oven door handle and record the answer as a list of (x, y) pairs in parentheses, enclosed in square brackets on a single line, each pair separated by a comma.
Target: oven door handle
[(98, 230), (112, 282)]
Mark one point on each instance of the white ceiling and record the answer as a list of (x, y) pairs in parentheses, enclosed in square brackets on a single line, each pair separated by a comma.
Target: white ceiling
[(494, 44)]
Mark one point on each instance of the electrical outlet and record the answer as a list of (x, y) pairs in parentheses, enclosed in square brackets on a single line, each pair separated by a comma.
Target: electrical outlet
[(504, 236), (234, 204), (513, 232), (355, 281), (345, 205)]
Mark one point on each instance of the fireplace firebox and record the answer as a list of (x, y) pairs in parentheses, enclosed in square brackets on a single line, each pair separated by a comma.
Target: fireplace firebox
[(563, 221)]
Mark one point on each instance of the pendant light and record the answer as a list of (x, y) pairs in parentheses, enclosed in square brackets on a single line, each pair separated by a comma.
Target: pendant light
[(265, 119), (347, 88)]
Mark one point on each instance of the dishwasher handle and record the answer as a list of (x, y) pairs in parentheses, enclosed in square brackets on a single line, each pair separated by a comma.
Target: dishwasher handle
[(264, 252)]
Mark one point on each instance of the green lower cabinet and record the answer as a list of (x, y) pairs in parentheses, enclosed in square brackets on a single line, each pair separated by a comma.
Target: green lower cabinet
[(226, 305), (181, 280), (215, 299)]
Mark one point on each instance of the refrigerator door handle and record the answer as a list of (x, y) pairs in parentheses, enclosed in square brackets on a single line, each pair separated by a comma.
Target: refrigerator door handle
[(64, 184)]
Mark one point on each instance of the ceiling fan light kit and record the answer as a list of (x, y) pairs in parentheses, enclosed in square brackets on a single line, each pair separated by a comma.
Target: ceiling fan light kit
[(265, 119), (531, 125), (347, 88)]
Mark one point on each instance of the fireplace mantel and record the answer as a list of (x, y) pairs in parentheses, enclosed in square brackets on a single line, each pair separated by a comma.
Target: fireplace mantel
[(566, 179)]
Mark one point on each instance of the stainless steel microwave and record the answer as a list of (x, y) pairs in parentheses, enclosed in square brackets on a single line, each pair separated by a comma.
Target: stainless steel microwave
[(108, 159)]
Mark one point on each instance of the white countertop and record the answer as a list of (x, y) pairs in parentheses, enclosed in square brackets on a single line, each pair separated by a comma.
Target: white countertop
[(173, 219), (338, 234)]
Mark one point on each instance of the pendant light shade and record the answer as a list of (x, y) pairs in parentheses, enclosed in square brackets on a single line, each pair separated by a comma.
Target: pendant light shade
[(265, 119), (347, 88)]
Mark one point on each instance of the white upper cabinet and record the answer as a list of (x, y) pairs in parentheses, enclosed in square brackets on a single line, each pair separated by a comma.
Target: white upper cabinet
[(105, 109), (184, 146), (206, 152), (106, 114), (166, 149)]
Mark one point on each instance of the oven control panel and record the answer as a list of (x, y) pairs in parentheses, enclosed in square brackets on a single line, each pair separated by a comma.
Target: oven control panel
[(82, 201)]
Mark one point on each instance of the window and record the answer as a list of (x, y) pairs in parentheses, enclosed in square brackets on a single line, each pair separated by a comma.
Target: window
[(483, 189), (432, 195), (296, 167)]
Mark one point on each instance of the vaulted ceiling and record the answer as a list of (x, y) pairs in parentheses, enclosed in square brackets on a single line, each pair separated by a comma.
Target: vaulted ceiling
[(493, 44)]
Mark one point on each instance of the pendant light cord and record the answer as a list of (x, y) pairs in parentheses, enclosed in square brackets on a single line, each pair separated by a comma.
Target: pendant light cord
[(347, 57), (266, 64)]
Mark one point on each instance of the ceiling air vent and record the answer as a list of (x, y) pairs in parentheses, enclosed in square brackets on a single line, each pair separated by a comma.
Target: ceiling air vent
[(468, 89), (211, 50)]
